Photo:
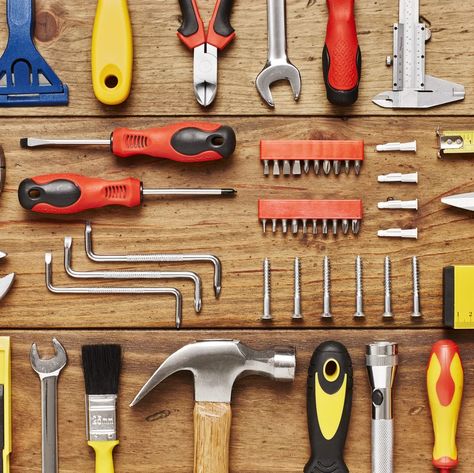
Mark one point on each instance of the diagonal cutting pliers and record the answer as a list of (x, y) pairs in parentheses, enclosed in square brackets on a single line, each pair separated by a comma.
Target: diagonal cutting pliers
[(205, 45)]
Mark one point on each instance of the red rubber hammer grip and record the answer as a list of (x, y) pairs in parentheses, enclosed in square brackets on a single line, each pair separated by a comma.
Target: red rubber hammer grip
[(73, 193), (189, 142), (341, 55)]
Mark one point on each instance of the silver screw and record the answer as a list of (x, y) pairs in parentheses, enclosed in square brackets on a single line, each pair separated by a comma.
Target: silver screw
[(416, 289), (327, 288), (297, 314), (267, 315), (387, 289), (359, 289)]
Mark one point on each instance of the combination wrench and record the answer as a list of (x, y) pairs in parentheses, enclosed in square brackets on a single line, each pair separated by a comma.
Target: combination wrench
[(278, 66), (48, 371)]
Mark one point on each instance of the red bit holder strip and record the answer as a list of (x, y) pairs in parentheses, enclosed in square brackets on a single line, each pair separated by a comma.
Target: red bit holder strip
[(328, 154), (306, 213)]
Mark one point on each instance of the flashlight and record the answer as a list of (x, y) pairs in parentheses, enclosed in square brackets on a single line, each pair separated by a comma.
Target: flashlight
[(381, 360)]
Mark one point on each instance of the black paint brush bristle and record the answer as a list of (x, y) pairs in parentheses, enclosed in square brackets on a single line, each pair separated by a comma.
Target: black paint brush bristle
[(101, 365)]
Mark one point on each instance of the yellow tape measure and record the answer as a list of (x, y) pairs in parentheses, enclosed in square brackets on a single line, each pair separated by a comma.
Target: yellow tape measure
[(458, 296)]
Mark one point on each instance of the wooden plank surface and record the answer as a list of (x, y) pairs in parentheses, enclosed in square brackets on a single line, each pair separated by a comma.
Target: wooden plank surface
[(229, 228), (269, 419), (162, 81), (269, 430)]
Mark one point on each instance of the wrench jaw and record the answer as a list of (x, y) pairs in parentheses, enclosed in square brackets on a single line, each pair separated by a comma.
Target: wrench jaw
[(276, 72), (46, 368)]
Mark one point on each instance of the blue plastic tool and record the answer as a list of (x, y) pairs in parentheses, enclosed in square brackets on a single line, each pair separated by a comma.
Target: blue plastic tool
[(26, 79)]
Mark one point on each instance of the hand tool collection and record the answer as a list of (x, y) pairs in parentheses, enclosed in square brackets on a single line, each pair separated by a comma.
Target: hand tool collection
[(216, 364)]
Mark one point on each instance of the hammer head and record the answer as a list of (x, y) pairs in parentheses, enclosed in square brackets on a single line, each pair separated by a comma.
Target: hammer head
[(216, 364)]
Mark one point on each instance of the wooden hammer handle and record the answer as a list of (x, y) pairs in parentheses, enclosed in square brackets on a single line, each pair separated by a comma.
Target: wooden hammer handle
[(212, 422)]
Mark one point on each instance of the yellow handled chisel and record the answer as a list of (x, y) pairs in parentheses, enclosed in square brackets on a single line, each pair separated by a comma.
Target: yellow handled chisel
[(5, 404), (112, 52)]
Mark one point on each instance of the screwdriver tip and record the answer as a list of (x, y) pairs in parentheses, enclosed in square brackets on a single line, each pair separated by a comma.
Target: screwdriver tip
[(24, 143), (229, 192)]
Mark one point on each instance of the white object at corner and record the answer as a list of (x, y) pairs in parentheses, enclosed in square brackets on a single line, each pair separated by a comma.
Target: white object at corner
[(397, 146), (399, 204), (399, 177), (399, 233)]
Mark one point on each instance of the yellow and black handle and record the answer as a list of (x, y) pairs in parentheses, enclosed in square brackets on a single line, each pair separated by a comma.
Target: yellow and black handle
[(329, 403)]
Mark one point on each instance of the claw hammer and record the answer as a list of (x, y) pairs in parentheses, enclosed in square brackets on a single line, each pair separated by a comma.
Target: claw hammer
[(216, 365)]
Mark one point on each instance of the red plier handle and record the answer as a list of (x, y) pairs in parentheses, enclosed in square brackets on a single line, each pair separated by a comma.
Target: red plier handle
[(192, 32)]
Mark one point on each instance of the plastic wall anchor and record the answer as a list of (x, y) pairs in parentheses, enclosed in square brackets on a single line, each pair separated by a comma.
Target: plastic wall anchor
[(399, 233), (399, 204), (397, 146), (399, 177)]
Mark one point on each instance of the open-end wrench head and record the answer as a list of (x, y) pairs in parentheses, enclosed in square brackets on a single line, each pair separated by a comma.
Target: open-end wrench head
[(273, 72), (217, 364), (46, 367)]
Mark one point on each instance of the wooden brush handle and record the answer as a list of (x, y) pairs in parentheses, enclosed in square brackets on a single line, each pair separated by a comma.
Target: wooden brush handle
[(211, 437)]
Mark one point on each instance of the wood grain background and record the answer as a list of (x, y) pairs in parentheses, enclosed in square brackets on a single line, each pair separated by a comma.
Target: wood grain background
[(269, 430)]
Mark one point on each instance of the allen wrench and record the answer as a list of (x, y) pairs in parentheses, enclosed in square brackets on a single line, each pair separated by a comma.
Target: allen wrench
[(154, 258), (132, 274), (48, 267)]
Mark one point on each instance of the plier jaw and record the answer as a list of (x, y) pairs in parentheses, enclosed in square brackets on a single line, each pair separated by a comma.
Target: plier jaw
[(205, 74)]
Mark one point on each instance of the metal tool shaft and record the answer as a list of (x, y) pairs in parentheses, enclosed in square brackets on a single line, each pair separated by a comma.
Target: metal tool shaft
[(191, 192), (49, 424), (34, 142)]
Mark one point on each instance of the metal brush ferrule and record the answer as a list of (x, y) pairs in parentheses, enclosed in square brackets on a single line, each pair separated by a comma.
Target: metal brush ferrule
[(101, 417)]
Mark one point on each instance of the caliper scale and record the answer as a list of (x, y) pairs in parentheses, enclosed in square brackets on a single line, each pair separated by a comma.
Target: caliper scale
[(411, 87)]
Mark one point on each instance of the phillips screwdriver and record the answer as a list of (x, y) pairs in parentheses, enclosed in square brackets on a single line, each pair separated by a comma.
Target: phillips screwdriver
[(188, 142), (73, 193), (444, 381)]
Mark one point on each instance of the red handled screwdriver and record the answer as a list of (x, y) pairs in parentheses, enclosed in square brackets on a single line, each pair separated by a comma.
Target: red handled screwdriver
[(73, 193), (188, 142), (342, 60)]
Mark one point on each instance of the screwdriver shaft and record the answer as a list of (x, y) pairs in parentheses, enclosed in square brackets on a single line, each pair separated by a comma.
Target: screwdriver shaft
[(33, 142), (188, 191)]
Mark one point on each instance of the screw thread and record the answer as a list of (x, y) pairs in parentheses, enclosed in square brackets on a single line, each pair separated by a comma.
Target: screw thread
[(358, 269), (416, 275), (387, 273), (327, 274), (297, 276), (266, 276)]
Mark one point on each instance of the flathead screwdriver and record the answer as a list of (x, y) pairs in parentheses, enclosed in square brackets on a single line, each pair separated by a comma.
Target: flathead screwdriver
[(73, 193), (187, 142)]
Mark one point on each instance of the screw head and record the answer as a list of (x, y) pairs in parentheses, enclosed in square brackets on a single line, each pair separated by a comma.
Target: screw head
[(387, 315), (266, 317), (296, 316), (359, 315), (416, 315), (326, 315)]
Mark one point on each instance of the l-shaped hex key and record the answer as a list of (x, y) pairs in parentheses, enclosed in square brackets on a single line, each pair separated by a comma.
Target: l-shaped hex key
[(154, 258), (48, 266), (132, 274)]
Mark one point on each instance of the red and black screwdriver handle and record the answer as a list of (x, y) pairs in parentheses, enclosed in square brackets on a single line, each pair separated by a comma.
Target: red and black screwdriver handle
[(73, 193), (342, 60), (188, 142), (329, 404), (192, 32)]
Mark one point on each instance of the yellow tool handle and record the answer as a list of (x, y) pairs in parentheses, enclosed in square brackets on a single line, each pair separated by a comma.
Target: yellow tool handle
[(445, 379), (112, 52), (104, 460)]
